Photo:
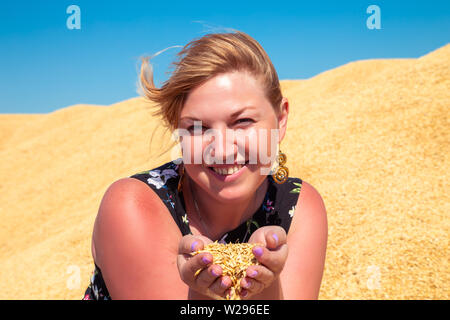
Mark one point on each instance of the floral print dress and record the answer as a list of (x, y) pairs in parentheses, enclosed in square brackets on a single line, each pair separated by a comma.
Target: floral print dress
[(277, 208)]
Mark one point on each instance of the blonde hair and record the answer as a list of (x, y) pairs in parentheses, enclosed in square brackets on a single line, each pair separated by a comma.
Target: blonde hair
[(200, 60)]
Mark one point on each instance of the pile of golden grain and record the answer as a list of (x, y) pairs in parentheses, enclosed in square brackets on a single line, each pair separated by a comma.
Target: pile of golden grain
[(370, 136), (234, 259)]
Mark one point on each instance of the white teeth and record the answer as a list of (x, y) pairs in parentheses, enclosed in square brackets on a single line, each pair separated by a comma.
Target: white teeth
[(224, 171)]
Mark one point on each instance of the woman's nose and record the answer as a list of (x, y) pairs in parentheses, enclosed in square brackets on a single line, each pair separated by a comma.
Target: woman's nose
[(223, 149)]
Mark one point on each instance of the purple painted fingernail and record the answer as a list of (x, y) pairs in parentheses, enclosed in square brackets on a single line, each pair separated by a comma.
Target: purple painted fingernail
[(215, 272), (223, 283), (206, 260), (253, 273), (193, 245), (276, 238), (258, 251)]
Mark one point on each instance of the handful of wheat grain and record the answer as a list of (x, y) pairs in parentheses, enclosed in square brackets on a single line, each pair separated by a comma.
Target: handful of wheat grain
[(233, 258)]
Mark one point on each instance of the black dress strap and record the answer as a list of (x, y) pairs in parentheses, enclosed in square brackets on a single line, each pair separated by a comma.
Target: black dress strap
[(163, 180)]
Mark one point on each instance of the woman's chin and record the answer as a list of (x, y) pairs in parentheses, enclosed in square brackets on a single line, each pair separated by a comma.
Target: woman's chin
[(238, 190)]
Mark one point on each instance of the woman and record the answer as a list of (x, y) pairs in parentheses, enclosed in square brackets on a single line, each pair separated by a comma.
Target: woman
[(149, 223)]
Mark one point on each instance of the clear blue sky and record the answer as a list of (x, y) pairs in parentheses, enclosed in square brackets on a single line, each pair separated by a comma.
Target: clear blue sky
[(44, 66)]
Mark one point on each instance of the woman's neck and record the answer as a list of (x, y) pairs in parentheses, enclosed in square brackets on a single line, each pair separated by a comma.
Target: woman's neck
[(221, 217)]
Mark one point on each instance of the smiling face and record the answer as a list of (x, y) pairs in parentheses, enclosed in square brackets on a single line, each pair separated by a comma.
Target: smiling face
[(233, 102)]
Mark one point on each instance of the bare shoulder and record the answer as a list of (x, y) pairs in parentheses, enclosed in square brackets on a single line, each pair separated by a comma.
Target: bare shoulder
[(136, 240), (130, 191), (307, 240), (125, 199), (128, 209), (309, 203)]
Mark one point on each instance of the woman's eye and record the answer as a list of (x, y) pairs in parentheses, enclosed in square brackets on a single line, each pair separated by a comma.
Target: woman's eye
[(191, 128), (202, 128), (245, 120)]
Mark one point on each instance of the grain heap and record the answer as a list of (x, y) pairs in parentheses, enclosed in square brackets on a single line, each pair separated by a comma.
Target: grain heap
[(233, 258)]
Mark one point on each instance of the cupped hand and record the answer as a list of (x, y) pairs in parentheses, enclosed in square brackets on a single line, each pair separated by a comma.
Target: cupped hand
[(198, 271), (271, 255)]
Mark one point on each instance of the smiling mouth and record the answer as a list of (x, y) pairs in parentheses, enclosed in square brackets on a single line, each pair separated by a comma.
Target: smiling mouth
[(227, 170)]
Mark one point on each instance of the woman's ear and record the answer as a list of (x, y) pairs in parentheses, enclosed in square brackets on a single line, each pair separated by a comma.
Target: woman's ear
[(283, 117)]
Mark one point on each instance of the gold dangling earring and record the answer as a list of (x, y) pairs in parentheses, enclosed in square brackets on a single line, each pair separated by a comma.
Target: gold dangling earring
[(282, 173), (180, 182)]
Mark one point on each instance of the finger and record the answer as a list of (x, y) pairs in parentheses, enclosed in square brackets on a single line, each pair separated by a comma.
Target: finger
[(244, 294), (191, 243), (220, 286), (257, 278), (260, 274), (206, 277), (269, 236), (272, 259), (275, 236), (252, 286), (194, 266)]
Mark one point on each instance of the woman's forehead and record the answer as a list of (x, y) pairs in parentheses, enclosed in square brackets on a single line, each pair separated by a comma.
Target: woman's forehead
[(231, 93), (228, 83)]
